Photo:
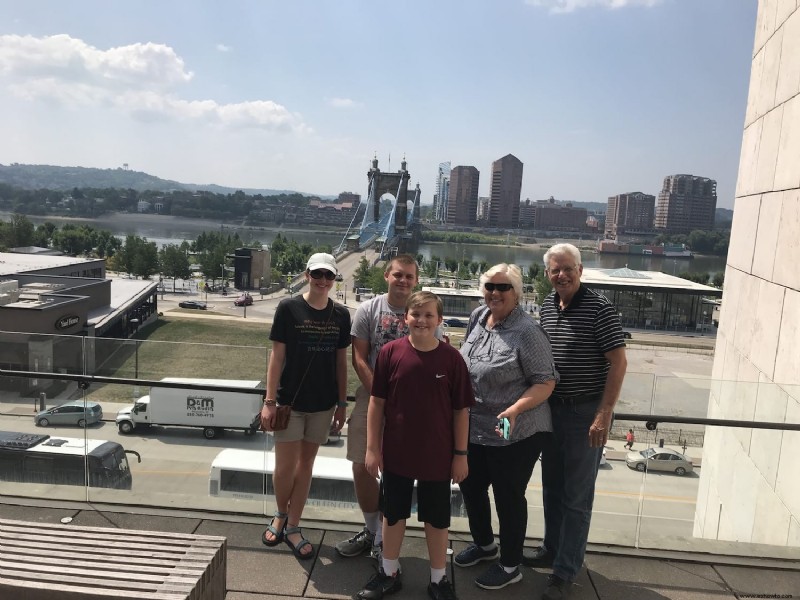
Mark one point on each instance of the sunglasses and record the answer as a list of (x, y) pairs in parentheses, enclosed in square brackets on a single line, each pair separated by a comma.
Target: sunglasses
[(500, 287), (320, 273)]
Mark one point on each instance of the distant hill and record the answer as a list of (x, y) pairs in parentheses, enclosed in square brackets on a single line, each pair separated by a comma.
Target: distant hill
[(36, 177), (723, 215)]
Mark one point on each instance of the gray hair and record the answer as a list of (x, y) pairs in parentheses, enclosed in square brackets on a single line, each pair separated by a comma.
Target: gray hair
[(513, 273), (560, 249)]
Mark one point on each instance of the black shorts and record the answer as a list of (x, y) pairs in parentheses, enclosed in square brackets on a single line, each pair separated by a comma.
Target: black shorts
[(433, 500)]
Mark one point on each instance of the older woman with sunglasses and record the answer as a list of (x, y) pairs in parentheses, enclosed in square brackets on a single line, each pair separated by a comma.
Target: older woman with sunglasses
[(307, 370), (512, 370)]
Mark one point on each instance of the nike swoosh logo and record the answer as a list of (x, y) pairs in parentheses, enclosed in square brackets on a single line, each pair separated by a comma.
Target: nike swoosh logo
[(439, 376)]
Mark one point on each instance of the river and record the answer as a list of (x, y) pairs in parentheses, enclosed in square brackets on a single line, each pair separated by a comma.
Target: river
[(165, 229)]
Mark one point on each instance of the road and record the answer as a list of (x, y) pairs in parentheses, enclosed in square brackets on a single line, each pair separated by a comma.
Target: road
[(176, 461)]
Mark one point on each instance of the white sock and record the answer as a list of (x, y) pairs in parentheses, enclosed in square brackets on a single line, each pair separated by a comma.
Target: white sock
[(373, 521), (391, 566), (508, 569), (436, 575), (490, 547)]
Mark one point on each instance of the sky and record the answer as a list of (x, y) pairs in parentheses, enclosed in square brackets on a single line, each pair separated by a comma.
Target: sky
[(595, 97)]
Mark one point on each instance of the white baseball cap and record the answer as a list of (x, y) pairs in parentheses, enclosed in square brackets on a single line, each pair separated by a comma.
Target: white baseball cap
[(321, 260)]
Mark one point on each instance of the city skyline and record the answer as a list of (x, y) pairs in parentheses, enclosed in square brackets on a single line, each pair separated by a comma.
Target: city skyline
[(596, 98)]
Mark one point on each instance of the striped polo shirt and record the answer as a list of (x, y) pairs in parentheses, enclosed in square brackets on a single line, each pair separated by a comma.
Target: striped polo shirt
[(580, 335)]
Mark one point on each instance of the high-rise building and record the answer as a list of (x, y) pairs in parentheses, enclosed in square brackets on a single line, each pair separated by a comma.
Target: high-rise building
[(505, 192), (686, 202), (630, 213), (462, 201), (442, 193), (483, 209)]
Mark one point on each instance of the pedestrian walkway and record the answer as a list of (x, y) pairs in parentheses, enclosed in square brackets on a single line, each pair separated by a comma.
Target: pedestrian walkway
[(259, 573)]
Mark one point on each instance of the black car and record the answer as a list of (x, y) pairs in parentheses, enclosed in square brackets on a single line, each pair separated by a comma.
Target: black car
[(455, 323), (627, 335), (192, 304)]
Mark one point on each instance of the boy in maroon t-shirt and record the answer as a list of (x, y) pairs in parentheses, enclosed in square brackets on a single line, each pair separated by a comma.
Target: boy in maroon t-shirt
[(417, 430)]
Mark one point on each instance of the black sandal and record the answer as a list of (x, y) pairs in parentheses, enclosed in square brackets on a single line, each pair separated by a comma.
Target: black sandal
[(300, 545), (278, 534)]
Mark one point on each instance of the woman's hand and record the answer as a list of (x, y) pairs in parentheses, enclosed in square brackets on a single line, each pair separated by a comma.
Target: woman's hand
[(339, 417), (268, 412), (511, 414), (374, 463), (459, 469)]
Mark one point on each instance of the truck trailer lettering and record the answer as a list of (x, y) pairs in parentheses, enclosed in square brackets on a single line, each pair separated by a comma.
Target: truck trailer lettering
[(200, 406)]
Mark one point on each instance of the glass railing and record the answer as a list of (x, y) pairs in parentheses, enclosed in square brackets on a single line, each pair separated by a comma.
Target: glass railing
[(192, 446)]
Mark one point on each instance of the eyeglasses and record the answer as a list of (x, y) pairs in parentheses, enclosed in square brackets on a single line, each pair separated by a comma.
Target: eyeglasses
[(320, 273), (566, 271), (500, 287)]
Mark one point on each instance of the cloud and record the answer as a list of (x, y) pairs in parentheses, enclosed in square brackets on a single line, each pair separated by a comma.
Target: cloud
[(568, 6), (344, 103), (139, 79), (224, 48)]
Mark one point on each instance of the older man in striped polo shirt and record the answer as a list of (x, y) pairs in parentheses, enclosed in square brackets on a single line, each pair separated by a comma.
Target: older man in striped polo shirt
[(589, 352)]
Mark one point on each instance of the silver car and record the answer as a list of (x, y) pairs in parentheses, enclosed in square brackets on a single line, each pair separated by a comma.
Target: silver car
[(659, 459), (70, 413)]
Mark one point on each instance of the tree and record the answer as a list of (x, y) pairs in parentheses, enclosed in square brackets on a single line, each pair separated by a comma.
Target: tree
[(138, 257), (174, 262), (73, 240), (106, 243), (543, 287), (21, 231), (719, 279), (361, 276)]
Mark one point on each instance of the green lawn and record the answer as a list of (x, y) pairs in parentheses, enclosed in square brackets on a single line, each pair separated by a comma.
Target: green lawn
[(180, 347)]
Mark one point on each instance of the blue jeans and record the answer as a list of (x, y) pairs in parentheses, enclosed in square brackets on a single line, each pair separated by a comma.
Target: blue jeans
[(569, 471)]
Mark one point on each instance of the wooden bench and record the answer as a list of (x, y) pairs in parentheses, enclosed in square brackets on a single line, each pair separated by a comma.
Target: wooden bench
[(41, 561)]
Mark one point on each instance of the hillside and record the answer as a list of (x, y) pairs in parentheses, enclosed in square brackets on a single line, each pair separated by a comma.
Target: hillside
[(38, 177)]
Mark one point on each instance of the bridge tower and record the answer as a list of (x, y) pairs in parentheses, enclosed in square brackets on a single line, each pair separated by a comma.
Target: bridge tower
[(395, 184)]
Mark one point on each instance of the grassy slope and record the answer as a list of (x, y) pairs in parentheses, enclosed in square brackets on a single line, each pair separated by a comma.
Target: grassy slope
[(203, 348)]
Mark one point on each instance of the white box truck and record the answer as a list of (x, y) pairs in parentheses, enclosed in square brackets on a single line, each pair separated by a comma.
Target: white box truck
[(184, 407)]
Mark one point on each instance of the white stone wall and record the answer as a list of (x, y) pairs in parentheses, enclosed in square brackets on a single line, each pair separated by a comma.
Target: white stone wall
[(750, 479)]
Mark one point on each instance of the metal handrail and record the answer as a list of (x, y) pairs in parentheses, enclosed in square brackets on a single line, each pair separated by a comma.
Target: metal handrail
[(650, 421), (84, 381)]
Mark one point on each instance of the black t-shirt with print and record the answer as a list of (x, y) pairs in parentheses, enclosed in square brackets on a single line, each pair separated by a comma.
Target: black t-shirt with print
[(312, 337)]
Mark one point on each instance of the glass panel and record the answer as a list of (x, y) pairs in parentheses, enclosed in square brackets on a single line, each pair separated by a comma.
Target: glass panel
[(736, 493)]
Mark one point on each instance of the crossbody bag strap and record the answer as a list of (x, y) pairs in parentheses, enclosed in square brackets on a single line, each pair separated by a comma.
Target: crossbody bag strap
[(308, 367)]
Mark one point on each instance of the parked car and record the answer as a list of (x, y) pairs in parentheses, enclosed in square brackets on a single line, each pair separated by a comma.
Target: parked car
[(70, 413), (456, 323), (243, 300), (193, 304), (659, 459), (627, 335)]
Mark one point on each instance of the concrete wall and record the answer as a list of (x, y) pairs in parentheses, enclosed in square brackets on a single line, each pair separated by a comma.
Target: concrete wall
[(749, 484)]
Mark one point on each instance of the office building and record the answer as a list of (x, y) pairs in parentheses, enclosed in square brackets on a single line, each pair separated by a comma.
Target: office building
[(505, 192), (686, 203), (442, 193), (630, 213), (527, 214), (550, 215), (462, 203)]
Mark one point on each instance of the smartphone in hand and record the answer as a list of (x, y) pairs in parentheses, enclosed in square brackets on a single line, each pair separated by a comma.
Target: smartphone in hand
[(504, 428)]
